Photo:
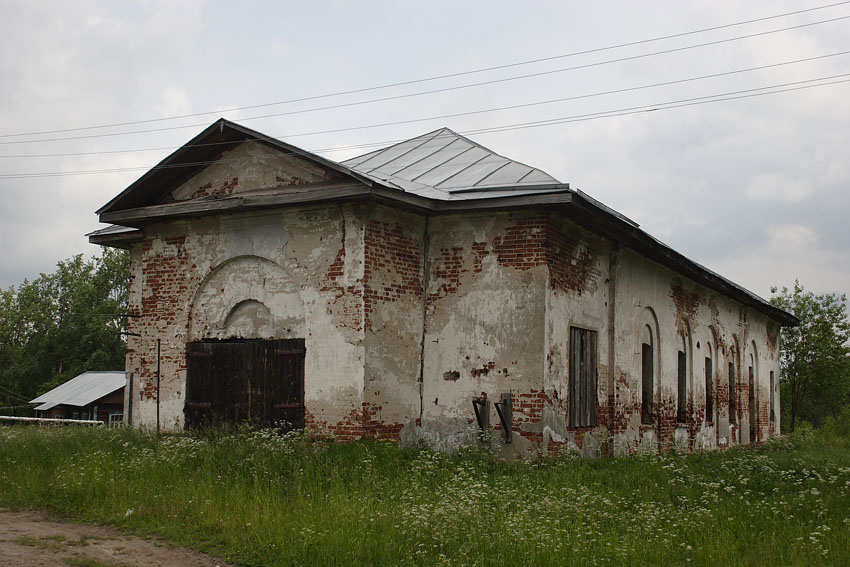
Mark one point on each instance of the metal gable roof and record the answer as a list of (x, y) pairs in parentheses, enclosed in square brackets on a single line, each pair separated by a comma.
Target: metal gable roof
[(82, 390), (197, 154), (445, 165), (437, 172)]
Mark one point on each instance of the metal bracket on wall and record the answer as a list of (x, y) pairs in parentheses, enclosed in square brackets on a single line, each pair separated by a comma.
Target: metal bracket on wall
[(503, 408), (482, 412)]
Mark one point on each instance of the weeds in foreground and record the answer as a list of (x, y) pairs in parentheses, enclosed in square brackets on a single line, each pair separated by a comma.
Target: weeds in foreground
[(259, 498)]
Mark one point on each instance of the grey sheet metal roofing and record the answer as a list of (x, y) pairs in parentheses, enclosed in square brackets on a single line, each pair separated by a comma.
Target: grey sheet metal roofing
[(440, 171), (82, 390), (111, 229), (445, 165)]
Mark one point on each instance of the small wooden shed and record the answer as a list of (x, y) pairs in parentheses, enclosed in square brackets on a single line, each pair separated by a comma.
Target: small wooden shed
[(91, 395)]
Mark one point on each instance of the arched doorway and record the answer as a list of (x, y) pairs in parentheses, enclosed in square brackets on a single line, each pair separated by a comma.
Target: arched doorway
[(245, 353)]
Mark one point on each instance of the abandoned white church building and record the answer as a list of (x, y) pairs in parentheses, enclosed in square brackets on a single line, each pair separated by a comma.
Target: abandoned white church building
[(424, 291)]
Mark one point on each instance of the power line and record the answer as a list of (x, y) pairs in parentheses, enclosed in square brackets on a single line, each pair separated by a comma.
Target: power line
[(433, 78), (472, 112), (10, 393), (440, 90), (748, 93), (733, 95)]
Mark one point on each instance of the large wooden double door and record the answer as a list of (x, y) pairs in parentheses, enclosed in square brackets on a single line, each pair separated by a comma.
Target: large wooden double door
[(242, 380)]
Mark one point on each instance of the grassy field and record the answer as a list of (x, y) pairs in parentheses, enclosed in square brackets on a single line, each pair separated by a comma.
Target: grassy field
[(256, 498)]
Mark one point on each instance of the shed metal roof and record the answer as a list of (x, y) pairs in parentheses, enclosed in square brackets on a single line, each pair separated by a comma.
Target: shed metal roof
[(445, 165), (82, 390)]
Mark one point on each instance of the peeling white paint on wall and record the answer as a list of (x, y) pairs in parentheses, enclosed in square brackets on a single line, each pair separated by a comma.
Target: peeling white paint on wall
[(408, 316)]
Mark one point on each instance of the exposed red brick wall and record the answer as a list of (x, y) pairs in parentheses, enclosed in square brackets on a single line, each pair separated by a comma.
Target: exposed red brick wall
[(358, 424), (348, 429), (169, 279), (571, 257), (349, 313), (523, 245), (447, 269), (686, 302), (722, 398), (392, 267), (207, 190), (772, 338), (528, 241), (667, 421), (527, 410)]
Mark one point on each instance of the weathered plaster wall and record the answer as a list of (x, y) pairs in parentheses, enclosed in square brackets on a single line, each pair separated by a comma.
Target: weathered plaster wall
[(484, 308), (407, 320), (393, 320), (251, 165), (680, 312), (577, 296), (271, 275)]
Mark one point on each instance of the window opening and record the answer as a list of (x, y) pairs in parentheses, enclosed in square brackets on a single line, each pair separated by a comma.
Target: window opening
[(772, 390), (709, 394), (752, 401), (682, 405), (733, 394), (583, 379), (647, 373)]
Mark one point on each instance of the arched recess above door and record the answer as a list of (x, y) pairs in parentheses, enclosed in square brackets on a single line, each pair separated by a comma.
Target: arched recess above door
[(247, 297)]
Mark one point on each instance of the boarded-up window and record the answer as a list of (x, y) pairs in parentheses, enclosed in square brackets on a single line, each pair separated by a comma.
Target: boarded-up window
[(733, 395), (582, 377), (709, 391), (682, 398), (647, 374), (235, 381)]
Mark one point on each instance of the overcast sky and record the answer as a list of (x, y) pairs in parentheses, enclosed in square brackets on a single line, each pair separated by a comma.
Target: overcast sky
[(756, 188)]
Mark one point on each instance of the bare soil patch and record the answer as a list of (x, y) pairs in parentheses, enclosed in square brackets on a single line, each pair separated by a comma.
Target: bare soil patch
[(36, 538)]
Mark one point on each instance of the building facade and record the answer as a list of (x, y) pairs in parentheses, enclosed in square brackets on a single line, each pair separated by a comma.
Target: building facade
[(429, 291)]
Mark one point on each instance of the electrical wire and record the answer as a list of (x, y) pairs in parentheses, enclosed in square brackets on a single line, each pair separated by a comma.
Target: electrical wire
[(733, 95), (10, 393), (433, 78), (468, 113), (459, 114), (433, 91), (664, 106)]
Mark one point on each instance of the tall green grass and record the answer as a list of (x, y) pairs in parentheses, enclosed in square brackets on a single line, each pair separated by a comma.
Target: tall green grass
[(257, 498)]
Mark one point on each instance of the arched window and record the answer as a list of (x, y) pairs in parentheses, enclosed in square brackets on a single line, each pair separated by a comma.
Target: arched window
[(647, 375), (733, 383), (733, 394), (709, 385), (682, 380), (752, 396), (772, 397)]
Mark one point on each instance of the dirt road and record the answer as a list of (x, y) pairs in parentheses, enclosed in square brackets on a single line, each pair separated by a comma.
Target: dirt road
[(34, 538)]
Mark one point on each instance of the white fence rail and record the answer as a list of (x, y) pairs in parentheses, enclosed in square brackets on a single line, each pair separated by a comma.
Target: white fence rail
[(48, 421)]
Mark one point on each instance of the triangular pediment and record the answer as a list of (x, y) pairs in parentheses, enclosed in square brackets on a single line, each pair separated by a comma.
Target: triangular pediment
[(225, 159), (248, 167)]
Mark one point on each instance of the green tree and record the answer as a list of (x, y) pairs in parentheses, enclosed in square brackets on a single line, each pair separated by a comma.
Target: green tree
[(814, 358), (62, 324)]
